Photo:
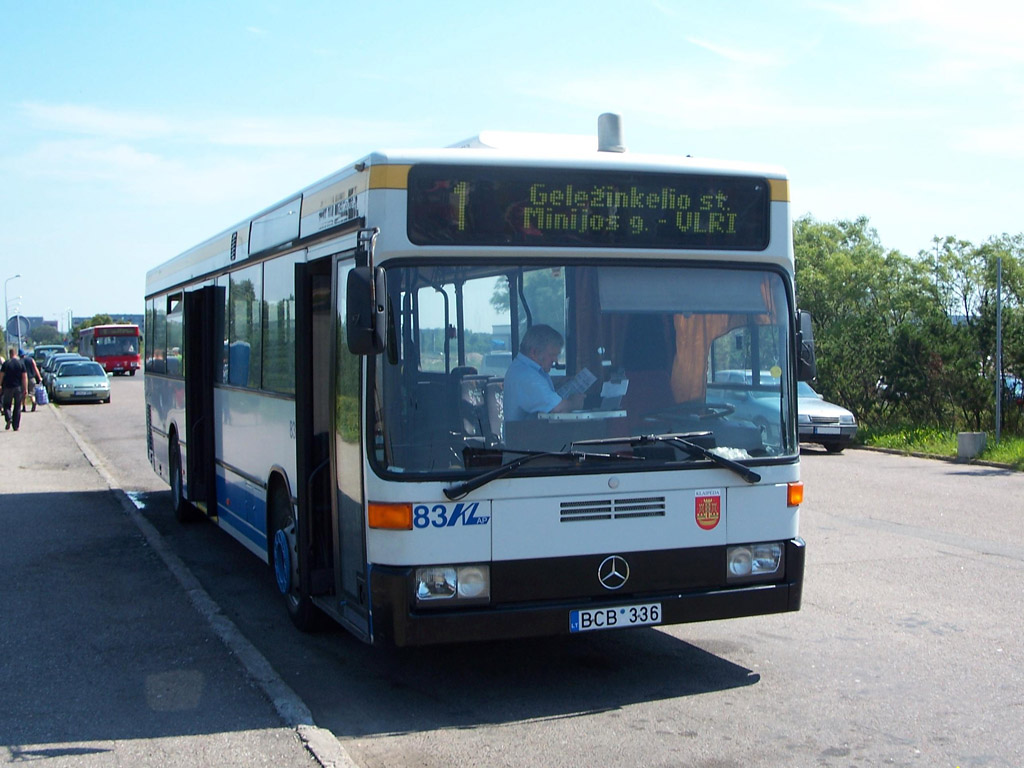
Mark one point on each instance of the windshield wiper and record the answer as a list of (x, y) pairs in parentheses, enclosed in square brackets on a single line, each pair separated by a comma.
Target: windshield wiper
[(459, 490), (685, 442)]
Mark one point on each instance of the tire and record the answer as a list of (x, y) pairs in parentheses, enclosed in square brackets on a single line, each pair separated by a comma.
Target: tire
[(834, 447), (184, 512), (284, 564)]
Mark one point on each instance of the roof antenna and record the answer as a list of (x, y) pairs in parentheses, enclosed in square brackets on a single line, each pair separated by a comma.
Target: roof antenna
[(609, 133)]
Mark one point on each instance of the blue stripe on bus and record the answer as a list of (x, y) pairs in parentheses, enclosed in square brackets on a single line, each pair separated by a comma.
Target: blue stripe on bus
[(243, 510)]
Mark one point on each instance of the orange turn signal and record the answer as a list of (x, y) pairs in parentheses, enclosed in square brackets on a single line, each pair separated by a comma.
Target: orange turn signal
[(397, 517), (795, 494)]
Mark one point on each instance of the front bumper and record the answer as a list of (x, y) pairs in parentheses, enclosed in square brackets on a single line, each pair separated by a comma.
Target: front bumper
[(69, 396), (818, 433), (512, 614)]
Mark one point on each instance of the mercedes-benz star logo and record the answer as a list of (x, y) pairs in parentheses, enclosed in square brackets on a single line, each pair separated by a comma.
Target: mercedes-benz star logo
[(613, 572)]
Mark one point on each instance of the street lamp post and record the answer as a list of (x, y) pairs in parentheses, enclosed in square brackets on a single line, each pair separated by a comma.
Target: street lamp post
[(7, 315), (17, 314)]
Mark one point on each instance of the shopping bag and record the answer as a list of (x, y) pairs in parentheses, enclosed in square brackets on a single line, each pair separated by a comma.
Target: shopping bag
[(40, 394)]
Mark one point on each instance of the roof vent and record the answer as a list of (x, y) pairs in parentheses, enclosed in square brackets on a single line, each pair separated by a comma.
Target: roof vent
[(609, 133)]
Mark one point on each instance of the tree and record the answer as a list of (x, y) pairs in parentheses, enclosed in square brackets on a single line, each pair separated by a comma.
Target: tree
[(101, 319), (903, 339), (965, 280), (44, 334), (858, 295)]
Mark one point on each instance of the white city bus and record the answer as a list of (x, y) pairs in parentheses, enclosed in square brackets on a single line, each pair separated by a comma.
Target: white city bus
[(325, 381)]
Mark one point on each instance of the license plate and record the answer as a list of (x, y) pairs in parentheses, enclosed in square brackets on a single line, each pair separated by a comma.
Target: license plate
[(826, 430), (614, 617), (83, 393)]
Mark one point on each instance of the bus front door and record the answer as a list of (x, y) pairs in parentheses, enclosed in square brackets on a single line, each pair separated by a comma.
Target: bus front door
[(331, 544), (346, 407)]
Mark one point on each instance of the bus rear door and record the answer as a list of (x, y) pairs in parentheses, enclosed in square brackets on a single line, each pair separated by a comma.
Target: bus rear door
[(204, 324)]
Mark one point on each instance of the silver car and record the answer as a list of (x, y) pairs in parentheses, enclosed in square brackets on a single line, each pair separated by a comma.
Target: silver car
[(818, 421), (822, 422), (49, 368), (80, 381)]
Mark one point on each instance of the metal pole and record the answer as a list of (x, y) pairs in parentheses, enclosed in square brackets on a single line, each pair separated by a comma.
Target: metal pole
[(999, 346)]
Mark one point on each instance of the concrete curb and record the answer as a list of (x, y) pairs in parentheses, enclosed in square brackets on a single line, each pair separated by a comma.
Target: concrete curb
[(936, 456), (319, 742)]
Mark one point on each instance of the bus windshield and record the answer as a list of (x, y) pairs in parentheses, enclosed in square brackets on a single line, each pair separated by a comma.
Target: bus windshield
[(649, 349), (109, 346)]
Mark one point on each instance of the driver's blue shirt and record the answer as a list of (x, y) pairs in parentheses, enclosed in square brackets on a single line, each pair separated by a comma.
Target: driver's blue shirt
[(528, 390)]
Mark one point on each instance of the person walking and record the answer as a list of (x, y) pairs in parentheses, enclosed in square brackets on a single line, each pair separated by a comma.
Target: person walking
[(32, 371), (13, 383)]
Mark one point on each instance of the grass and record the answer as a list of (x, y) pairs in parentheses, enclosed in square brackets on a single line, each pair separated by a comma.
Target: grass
[(938, 442)]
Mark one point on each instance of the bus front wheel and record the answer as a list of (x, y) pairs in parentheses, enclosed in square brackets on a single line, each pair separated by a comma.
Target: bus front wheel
[(284, 561)]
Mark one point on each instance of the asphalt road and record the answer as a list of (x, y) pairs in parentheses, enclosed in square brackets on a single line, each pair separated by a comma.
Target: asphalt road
[(907, 651), (104, 658)]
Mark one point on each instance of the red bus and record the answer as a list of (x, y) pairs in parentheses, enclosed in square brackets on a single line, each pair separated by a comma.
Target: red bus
[(115, 347)]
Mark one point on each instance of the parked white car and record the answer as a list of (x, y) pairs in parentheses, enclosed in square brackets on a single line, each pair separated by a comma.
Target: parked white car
[(818, 421), (822, 422)]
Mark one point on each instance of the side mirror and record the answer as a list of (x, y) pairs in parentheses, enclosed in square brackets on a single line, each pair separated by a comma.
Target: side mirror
[(806, 364), (366, 321)]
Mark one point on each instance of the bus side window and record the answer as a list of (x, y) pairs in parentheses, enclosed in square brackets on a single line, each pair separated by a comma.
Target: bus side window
[(279, 325), (175, 334), (245, 298), (157, 354)]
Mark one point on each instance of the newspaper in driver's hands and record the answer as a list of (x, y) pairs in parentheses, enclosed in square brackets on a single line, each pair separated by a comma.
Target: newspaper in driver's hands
[(579, 383)]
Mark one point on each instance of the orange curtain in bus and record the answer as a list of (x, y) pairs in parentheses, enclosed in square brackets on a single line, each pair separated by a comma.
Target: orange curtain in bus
[(694, 334)]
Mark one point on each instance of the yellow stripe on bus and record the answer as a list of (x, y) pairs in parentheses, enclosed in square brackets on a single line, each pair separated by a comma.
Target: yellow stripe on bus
[(780, 190), (389, 176)]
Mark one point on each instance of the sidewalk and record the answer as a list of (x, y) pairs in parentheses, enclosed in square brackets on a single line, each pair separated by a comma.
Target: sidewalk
[(105, 660)]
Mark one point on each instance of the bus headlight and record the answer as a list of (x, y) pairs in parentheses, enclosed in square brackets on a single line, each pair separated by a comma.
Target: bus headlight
[(751, 562), (474, 582), (470, 583)]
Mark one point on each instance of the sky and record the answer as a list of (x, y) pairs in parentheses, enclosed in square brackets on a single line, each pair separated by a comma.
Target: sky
[(131, 131)]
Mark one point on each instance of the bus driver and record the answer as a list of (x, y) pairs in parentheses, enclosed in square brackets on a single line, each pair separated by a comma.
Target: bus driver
[(528, 386)]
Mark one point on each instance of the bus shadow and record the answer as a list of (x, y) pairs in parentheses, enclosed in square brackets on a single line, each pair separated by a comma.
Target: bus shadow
[(470, 685), (387, 690)]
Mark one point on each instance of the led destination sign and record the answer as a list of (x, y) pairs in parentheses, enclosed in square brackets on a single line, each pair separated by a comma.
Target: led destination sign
[(462, 205), (119, 330)]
